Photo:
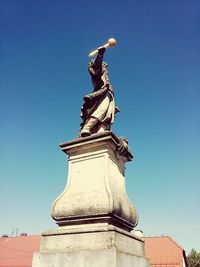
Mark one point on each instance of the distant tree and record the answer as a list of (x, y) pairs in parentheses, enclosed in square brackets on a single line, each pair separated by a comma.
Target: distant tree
[(194, 258)]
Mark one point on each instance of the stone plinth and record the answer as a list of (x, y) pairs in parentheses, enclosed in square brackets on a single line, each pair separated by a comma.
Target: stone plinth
[(94, 214), (99, 245)]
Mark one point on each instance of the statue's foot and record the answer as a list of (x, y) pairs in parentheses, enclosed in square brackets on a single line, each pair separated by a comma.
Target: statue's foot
[(102, 128), (89, 124), (85, 133)]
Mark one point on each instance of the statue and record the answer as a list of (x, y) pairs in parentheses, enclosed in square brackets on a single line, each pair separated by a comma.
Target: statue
[(98, 110)]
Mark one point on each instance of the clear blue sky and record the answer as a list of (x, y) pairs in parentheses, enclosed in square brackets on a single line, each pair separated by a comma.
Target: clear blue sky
[(154, 70)]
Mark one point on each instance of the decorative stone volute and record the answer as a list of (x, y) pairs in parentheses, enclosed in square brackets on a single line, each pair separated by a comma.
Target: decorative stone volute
[(95, 190)]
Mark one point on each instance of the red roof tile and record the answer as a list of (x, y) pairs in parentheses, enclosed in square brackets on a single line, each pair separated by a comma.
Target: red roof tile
[(163, 252), (18, 251)]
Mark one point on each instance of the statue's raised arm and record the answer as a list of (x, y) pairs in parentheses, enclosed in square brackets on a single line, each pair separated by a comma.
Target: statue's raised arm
[(98, 110)]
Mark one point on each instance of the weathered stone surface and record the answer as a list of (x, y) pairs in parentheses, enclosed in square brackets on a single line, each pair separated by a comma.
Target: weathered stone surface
[(110, 247), (95, 190)]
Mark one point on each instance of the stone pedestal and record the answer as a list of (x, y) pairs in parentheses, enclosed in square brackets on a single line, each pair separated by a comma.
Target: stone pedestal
[(94, 214)]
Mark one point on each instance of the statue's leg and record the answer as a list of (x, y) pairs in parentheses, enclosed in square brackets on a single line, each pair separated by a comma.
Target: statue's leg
[(89, 124), (102, 128)]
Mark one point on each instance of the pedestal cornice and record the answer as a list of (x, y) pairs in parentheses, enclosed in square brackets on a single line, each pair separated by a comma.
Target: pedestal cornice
[(81, 144)]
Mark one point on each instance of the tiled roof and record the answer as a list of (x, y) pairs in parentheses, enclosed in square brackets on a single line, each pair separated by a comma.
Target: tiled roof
[(18, 251), (163, 251)]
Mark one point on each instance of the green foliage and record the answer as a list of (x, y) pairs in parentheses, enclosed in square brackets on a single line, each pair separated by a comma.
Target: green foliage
[(194, 258)]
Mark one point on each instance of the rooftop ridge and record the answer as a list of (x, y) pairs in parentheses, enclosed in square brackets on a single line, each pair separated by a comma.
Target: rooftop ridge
[(166, 236), (175, 242)]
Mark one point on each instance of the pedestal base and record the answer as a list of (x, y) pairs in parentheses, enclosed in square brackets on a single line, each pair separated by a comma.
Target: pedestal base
[(94, 214), (99, 246)]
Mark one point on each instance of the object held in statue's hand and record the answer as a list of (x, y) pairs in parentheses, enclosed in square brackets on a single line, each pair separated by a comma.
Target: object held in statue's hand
[(111, 43)]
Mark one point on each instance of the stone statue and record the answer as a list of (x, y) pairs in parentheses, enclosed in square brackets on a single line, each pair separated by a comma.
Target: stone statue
[(98, 110)]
